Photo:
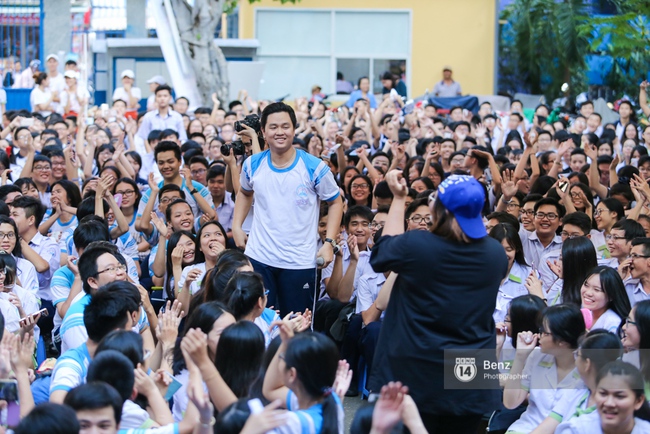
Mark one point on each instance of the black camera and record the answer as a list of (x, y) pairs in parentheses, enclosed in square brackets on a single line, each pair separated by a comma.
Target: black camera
[(252, 121), (238, 148)]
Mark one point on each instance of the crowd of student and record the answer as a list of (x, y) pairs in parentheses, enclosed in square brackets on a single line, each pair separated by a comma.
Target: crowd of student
[(178, 265)]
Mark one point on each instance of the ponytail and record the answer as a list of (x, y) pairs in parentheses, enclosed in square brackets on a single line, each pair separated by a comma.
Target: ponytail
[(243, 293), (330, 414)]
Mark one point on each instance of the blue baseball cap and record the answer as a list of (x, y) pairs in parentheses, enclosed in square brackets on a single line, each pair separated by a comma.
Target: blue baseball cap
[(464, 197)]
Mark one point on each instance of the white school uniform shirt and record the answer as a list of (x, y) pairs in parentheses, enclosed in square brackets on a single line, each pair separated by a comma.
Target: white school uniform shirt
[(635, 291), (363, 268), (590, 424), (49, 250), (286, 204), (134, 417), (533, 248), (545, 393), (609, 321), (511, 288), (600, 244), (226, 211), (11, 315), (196, 285), (28, 301), (368, 289), (26, 273), (180, 397)]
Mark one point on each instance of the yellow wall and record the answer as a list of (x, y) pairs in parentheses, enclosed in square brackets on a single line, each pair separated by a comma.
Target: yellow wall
[(459, 33)]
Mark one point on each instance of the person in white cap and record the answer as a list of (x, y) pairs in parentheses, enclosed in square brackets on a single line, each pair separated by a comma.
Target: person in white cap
[(57, 82), (74, 97), (154, 82), (26, 78), (128, 92)]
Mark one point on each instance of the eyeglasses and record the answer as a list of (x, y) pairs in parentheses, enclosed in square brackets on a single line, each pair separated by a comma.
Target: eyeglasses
[(41, 168), (7, 235), (113, 269), (166, 200), (528, 212), (376, 225), (575, 195), (628, 321), (541, 331), (576, 354), (613, 237), (197, 172), (546, 215), (565, 234), (599, 211), (637, 256), (3, 271), (125, 192), (512, 206), (418, 219), (359, 186), (458, 160)]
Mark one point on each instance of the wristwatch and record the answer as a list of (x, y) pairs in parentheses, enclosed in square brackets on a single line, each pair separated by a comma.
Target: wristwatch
[(335, 246), (507, 202), (194, 191)]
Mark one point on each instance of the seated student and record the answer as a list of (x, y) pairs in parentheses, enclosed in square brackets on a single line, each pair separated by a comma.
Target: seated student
[(575, 224), (107, 310), (619, 240), (352, 260), (168, 160), (25, 270), (72, 330), (246, 298), (637, 265), (41, 251), (596, 350), (303, 370), (221, 198), (210, 318), (603, 293), (211, 241), (560, 328), (635, 334), (61, 220), (547, 218), (114, 368), (620, 395), (49, 418), (66, 283), (20, 302), (513, 285), (98, 407), (166, 195)]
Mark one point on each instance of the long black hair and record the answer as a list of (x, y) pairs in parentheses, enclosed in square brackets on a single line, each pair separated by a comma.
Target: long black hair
[(524, 313), (315, 358), (642, 320), (578, 258), (171, 245), (239, 356), (203, 318), (600, 347), (505, 231), (17, 252), (613, 287), (565, 323), (71, 191), (244, 291)]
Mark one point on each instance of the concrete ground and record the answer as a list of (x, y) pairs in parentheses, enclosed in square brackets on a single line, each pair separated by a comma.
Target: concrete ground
[(351, 405)]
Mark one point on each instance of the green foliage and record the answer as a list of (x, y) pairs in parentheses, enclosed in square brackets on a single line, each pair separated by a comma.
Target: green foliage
[(626, 38), (544, 44)]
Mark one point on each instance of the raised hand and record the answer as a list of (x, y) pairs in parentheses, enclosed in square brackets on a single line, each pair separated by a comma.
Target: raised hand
[(353, 247), (177, 256), (195, 344), (534, 285), (267, 420), (397, 183), (168, 322), (343, 379), (527, 341), (389, 407), (22, 351), (508, 186), (556, 267), (286, 331)]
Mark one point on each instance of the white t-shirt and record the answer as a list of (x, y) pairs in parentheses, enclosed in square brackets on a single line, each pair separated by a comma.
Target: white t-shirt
[(608, 321), (75, 99), (196, 285), (286, 208), (122, 94), (39, 96)]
